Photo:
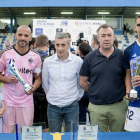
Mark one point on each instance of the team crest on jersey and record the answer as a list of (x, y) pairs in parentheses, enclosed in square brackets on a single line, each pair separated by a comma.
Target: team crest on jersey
[(30, 60)]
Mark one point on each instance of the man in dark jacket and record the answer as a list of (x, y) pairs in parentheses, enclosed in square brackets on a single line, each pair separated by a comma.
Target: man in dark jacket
[(84, 49), (40, 102)]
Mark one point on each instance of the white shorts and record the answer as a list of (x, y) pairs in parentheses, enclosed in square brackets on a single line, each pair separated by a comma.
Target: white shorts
[(132, 122)]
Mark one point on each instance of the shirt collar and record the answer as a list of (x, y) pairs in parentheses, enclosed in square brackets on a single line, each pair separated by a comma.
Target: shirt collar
[(57, 59), (98, 53)]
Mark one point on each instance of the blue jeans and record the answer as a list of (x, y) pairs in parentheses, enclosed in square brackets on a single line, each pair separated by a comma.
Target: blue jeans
[(57, 114)]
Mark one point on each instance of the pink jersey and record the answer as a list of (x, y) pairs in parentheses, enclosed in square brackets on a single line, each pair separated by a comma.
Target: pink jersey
[(27, 64)]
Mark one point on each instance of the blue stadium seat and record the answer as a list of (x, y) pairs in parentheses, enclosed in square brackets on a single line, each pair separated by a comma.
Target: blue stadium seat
[(127, 41), (118, 32), (124, 45)]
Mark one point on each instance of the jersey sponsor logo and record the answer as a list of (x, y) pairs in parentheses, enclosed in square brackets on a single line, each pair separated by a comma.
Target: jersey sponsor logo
[(134, 55), (24, 70)]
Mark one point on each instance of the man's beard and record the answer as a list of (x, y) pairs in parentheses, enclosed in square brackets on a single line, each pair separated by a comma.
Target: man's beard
[(23, 46)]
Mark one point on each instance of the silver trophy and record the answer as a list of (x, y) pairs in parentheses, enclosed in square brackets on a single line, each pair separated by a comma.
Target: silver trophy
[(135, 70), (14, 71)]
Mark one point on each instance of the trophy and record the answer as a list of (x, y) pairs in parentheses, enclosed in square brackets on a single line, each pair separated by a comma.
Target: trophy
[(14, 71), (135, 70)]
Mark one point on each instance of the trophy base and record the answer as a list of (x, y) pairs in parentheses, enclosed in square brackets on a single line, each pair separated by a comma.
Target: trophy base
[(133, 94), (27, 88)]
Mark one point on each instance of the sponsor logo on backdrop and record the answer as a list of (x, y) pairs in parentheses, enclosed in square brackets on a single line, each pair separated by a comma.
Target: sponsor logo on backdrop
[(64, 23), (74, 43), (38, 31), (88, 31), (59, 30), (80, 23), (44, 23), (77, 23)]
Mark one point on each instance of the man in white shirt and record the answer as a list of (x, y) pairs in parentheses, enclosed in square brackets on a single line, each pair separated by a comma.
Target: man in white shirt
[(60, 81)]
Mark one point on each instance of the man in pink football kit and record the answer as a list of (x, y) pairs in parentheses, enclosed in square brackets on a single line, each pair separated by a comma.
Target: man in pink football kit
[(19, 104)]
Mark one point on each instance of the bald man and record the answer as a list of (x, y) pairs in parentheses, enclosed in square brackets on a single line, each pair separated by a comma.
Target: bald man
[(19, 104)]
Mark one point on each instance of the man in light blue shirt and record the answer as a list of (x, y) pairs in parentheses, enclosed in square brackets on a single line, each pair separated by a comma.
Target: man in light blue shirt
[(60, 76)]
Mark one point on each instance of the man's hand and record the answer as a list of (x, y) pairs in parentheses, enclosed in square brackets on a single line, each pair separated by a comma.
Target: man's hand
[(36, 83), (31, 91), (12, 80), (136, 81), (2, 111)]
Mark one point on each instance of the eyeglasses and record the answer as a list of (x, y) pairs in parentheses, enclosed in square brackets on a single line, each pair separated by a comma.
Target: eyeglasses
[(138, 25)]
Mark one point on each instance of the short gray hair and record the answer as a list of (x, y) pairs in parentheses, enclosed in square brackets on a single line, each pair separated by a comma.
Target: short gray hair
[(61, 36), (104, 26)]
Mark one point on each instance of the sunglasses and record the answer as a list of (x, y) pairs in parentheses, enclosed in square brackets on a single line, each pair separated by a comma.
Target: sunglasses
[(138, 25)]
